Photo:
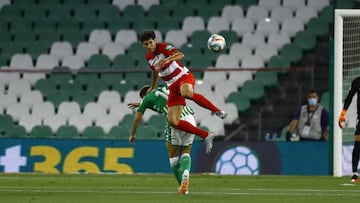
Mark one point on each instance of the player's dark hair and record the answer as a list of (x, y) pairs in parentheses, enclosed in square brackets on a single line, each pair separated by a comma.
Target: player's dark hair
[(146, 35), (143, 91)]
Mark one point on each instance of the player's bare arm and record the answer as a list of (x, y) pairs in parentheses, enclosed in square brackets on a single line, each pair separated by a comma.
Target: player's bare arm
[(133, 105), (135, 125)]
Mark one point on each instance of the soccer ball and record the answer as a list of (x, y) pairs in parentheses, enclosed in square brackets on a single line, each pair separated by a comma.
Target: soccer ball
[(238, 160), (216, 43)]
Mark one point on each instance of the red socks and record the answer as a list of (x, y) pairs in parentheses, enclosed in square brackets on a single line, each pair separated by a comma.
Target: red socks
[(189, 128), (202, 101)]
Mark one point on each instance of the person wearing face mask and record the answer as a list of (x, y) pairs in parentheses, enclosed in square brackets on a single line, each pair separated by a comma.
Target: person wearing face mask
[(310, 122)]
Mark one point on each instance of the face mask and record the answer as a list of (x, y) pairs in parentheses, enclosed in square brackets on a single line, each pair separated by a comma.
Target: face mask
[(312, 101)]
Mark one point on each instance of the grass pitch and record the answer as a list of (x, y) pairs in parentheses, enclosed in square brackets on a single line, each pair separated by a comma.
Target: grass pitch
[(157, 188)]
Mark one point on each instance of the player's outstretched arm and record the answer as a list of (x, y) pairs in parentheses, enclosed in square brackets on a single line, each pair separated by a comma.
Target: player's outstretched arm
[(135, 125), (133, 105)]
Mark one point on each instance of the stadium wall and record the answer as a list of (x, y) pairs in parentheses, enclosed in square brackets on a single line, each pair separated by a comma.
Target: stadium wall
[(112, 156)]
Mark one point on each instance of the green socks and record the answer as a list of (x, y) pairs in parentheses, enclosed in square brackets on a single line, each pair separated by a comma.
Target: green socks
[(179, 167), (185, 163)]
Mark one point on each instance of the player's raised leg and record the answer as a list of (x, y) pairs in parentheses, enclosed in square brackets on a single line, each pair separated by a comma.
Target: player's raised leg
[(174, 113), (187, 91)]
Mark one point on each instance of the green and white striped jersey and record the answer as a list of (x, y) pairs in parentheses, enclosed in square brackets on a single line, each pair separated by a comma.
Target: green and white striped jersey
[(156, 100)]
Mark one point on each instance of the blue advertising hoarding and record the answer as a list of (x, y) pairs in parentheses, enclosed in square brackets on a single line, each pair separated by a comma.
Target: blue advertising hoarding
[(114, 156)]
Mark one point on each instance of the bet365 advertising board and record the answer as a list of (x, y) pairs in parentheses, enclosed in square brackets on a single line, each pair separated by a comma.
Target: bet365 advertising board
[(113, 156)]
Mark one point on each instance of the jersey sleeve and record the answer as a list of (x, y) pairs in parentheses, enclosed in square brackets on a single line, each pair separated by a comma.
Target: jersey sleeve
[(143, 106), (167, 49)]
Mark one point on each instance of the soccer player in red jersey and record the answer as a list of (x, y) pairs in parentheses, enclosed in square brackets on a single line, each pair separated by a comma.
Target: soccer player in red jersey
[(164, 60)]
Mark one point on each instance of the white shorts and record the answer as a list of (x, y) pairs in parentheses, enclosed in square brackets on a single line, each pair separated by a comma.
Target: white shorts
[(179, 137)]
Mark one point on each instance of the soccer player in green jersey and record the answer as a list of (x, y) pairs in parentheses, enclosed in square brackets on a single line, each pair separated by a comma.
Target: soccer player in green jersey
[(177, 142)]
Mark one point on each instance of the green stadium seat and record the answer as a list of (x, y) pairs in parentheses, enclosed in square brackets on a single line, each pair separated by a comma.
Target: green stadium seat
[(45, 86), (85, 77), (8, 49), (167, 24), (245, 4), (199, 38), (24, 37), (34, 13), (71, 88), (20, 25), (127, 120), (241, 100), (84, 12), (278, 62), (16, 131), (106, 12), (94, 88), (254, 89), (230, 36), (56, 98), (67, 132), (52, 3), (327, 14), (157, 12), (305, 40), (268, 78), (122, 87), (181, 12), (41, 131), (83, 98), (59, 13), (117, 23), (93, 132), (74, 3), (157, 122), (99, 61), (206, 11), (119, 132), (44, 25), (202, 61), (92, 24), (145, 132), (3, 61), (61, 77), (23, 3), (292, 52), (48, 37), (123, 62), (9, 12), (4, 27), (136, 51), (6, 122), (318, 26), (74, 37), (111, 78), (142, 64), (221, 4), (5, 37), (144, 24), (129, 11), (68, 25)]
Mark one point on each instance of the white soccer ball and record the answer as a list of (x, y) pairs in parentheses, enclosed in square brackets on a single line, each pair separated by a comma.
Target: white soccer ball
[(238, 160), (216, 43)]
